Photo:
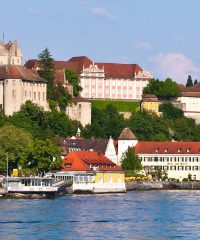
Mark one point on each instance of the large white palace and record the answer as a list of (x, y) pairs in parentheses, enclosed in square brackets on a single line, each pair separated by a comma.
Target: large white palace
[(105, 80), (17, 84)]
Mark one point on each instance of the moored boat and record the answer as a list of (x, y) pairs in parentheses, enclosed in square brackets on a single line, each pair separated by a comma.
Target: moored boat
[(30, 187)]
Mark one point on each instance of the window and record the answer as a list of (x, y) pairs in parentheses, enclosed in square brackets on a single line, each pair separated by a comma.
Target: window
[(14, 93), (179, 149), (110, 179), (43, 96), (34, 95), (25, 94), (156, 149), (39, 96), (188, 149), (166, 150), (68, 165)]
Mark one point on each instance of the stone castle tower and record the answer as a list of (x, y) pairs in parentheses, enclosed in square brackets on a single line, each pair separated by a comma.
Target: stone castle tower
[(10, 53)]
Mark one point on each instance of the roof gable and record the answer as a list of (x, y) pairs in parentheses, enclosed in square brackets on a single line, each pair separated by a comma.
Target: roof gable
[(86, 160), (18, 72), (127, 134)]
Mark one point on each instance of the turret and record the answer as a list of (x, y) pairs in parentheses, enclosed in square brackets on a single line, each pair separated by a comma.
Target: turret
[(125, 140)]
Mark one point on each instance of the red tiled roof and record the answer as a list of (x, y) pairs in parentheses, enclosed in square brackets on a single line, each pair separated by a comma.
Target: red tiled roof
[(98, 145), (149, 98), (127, 134), (80, 99), (193, 91), (81, 161), (59, 77), (18, 72), (31, 64), (112, 70), (118, 70), (144, 147)]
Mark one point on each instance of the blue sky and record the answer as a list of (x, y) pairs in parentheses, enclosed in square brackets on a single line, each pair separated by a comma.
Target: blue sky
[(162, 36)]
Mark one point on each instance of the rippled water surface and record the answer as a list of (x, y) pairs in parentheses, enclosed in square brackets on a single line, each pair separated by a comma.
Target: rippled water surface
[(135, 215)]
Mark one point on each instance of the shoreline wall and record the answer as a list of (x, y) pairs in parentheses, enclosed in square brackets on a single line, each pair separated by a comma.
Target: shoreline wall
[(144, 185)]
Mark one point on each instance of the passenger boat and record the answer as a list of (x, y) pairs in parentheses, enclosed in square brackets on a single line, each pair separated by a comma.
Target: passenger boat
[(30, 187)]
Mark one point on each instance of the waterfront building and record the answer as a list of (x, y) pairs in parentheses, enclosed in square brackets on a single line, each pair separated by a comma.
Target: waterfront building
[(17, 85), (177, 159), (10, 53), (101, 80), (104, 146), (94, 172)]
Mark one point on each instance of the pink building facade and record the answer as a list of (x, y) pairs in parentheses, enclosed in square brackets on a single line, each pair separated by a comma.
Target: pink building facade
[(97, 85), (105, 80)]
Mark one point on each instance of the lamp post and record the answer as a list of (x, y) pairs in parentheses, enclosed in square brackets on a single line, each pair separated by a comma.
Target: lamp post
[(7, 171)]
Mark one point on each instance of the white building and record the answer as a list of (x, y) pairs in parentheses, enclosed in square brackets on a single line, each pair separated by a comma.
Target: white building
[(125, 140), (80, 110), (189, 101), (10, 53), (176, 159), (17, 85)]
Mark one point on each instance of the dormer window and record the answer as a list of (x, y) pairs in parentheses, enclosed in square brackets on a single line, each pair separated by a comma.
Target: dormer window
[(68, 165), (188, 149), (179, 149), (156, 149), (166, 150)]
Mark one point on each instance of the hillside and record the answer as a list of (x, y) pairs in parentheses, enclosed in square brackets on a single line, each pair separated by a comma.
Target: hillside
[(121, 106)]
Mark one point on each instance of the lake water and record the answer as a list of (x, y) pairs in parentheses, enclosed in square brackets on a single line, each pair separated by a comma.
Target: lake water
[(134, 215)]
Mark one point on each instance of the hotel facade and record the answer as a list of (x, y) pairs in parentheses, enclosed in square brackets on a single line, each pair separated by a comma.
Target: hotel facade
[(176, 159)]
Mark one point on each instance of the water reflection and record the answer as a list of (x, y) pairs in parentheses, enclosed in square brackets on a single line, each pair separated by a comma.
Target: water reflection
[(135, 215)]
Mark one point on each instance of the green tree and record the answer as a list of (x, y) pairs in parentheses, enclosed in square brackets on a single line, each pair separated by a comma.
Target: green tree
[(162, 89), (47, 70), (60, 96), (31, 118), (185, 129), (195, 81), (57, 94), (148, 126), (170, 111), (13, 143), (131, 161), (60, 124), (73, 78), (41, 155), (189, 81), (105, 123)]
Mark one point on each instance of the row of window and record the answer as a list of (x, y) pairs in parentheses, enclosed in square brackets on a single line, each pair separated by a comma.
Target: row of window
[(167, 150), (175, 168), (36, 96), (170, 159)]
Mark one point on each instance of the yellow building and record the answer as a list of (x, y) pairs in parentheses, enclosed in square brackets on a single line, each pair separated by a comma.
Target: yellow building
[(94, 172), (150, 103)]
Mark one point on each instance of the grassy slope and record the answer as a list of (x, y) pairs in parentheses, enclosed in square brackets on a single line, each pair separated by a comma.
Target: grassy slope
[(122, 106)]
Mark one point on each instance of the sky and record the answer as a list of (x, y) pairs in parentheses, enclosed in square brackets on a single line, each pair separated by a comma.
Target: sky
[(162, 36)]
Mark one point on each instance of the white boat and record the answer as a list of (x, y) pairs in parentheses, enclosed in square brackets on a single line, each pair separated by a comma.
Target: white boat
[(30, 187)]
